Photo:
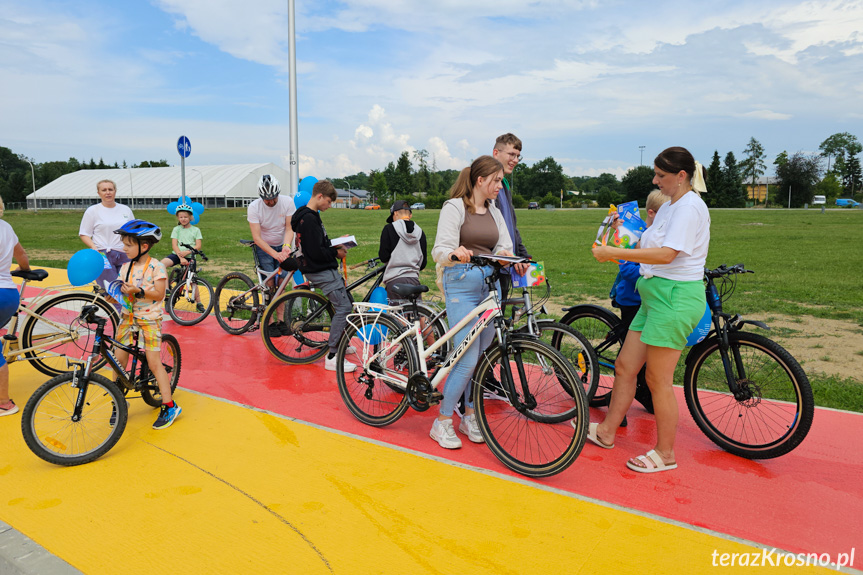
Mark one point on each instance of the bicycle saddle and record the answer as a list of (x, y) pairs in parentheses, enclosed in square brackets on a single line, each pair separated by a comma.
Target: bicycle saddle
[(408, 291), (249, 243), (31, 275)]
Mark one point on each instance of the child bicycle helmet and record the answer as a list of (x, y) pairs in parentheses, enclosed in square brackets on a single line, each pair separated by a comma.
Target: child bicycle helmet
[(140, 229), (184, 208), (268, 187)]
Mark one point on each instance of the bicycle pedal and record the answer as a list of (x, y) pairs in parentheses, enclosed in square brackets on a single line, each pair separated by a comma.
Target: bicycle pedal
[(435, 398)]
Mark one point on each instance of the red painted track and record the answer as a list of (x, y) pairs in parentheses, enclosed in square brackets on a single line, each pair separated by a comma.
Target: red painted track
[(810, 500)]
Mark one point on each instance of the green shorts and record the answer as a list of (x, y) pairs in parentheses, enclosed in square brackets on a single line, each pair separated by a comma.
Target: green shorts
[(670, 310)]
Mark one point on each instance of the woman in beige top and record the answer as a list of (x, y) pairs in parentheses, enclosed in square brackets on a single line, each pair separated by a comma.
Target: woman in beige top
[(469, 224)]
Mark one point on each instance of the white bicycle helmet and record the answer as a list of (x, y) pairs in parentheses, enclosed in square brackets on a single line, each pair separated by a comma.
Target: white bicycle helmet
[(268, 187)]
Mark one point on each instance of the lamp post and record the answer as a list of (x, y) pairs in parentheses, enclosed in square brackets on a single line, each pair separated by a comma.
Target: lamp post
[(348, 184), (33, 175), (641, 159), (202, 184), (131, 189)]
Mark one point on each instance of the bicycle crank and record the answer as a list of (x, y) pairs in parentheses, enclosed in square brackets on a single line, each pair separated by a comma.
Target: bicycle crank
[(421, 395)]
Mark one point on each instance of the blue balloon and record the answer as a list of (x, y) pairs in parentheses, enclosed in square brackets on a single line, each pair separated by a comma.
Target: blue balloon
[(85, 266), (307, 184), (172, 208), (197, 208), (302, 198), (379, 295), (195, 219), (702, 329)]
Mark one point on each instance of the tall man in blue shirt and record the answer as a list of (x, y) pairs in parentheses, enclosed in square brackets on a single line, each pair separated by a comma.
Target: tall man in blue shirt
[(507, 150)]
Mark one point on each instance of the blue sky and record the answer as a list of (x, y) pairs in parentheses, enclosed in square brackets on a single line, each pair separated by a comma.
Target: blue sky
[(585, 82)]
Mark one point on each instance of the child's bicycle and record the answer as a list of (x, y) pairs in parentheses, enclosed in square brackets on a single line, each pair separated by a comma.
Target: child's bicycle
[(50, 337), (78, 416), (240, 302), (530, 429), (190, 297), (309, 314), (745, 391)]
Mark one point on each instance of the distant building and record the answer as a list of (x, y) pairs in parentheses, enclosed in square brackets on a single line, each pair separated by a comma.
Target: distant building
[(230, 186), (348, 198), (758, 192)]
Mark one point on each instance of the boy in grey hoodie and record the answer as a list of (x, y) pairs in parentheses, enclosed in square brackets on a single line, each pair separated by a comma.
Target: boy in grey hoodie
[(403, 248)]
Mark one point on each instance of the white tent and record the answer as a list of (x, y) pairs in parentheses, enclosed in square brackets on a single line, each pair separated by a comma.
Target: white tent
[(152, 188)]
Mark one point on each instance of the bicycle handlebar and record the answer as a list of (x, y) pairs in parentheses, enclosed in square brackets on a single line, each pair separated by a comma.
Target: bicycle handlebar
[(724, 270), (88, 314), (195, 252), (369, 263)]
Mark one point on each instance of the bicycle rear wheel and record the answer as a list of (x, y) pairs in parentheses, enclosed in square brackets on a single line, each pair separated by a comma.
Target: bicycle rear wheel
[(188, 307), (308, 316), (774, 412), (172, 362), (236, 302), (62, 347), (548, 434), (575, 348), (367, 391), (50, 431), (596, 324)]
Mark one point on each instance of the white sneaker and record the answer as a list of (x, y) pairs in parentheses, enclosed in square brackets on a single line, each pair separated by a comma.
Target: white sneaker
[(470, 427), (330, 364), (442, 431), (350, 349)]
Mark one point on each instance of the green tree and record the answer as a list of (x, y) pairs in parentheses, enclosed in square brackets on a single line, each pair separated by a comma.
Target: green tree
[(637, 184), (607, 197), (753, 166), (798, 176), (829, 187), (378, 185), (402, 184), (853, 175), (422, 176), (732, 180), (545, 177), (715, 186), (839, 144), (148, 164)]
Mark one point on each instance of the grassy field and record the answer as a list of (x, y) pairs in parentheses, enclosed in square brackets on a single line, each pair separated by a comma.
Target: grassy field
[(806, 262)]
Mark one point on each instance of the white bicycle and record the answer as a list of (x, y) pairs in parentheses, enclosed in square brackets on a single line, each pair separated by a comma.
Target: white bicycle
[(538, 430)]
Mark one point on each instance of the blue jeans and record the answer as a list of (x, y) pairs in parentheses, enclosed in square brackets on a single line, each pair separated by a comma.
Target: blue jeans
[(464, 288), (267, 262), (8, 306)]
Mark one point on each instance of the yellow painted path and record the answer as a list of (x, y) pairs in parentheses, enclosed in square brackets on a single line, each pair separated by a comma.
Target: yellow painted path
[(229, 489)]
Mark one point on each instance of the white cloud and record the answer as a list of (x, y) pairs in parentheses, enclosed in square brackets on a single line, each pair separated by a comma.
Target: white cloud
[(767, 115)]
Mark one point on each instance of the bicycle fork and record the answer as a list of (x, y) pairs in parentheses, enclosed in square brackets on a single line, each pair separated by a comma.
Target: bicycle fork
[(529, 402)]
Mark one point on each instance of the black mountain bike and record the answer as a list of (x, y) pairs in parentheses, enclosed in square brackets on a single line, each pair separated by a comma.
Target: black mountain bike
[(308, 315), (78, 416), (190, 297), (744, 391)]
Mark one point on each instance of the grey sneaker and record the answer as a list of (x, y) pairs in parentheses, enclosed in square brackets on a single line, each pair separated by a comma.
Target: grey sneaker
[(442, 431), (470, 427)]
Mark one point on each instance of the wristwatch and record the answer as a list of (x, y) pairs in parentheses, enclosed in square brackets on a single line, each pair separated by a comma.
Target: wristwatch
[(140, 293)]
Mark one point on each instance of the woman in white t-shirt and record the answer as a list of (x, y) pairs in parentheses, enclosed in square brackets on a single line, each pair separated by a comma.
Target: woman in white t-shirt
[(97, 229), (10, 248), (672, 253)]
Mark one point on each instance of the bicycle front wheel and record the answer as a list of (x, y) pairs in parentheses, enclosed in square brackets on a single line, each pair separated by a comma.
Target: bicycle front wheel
[(774, 408), (172, 362), (62, 338), (597, 325), (308, 316), (190, 305), (374, 392), (547, 431), (237, 305), (52, 433)]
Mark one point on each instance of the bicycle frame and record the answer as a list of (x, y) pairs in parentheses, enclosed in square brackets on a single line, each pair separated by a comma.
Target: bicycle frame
[(487, 311)]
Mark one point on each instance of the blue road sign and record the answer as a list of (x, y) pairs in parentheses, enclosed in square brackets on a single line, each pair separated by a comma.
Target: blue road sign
[(184, 147)]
